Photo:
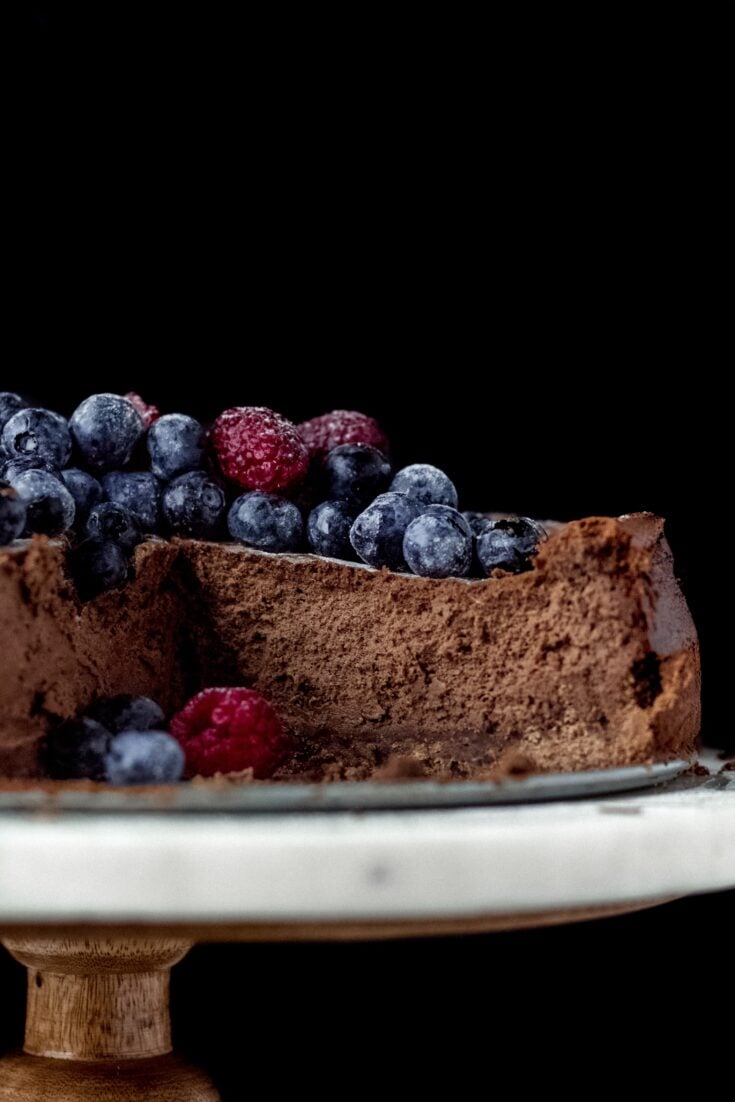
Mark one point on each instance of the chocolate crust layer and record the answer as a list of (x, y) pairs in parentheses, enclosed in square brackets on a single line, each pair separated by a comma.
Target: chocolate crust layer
[(589, 660)]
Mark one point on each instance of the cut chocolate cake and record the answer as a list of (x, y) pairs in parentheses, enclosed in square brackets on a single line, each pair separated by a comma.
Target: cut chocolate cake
[(588, 660)]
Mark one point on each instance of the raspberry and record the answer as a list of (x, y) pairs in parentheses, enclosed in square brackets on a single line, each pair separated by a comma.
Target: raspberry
[(342, 426), (259, 449), (227, 730), (147, 412)]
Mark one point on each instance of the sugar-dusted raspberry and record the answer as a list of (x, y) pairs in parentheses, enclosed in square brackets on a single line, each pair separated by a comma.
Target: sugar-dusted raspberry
[(342, 426), (147, 412), (259, 449), (228, 730)]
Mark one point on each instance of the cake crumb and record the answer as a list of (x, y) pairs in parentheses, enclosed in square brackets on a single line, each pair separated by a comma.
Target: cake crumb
[(241, 776), (511, 765), (398, 767)]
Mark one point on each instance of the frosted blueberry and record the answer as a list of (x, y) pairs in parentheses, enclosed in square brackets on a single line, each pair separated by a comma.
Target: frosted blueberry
[(37, 434), (175, 444), (266, 521), (110, 521), (10, 403), (426, 484), (438, 544), (478, 522), (12, 514), (193, 506), (328, 529), (377, 534), (127, 713), (76, 750), (85, 490), (355, 473), (144, 757), (139, 492), (98, 565), (509, 544), (50, 507), (106, 428)]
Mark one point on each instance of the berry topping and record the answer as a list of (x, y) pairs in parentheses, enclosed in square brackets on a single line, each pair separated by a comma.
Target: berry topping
[(110, 521), (106, 428), (50, 506), (509, 544), (426, 484), (328, 529), (144, 757), (127, 713), (149, 413), (377, 534), (355, 473), (85, 490), (266, 521), (37, 434), (139, 492), (9, 404), (228, 730), (98, 565), (259, 449), (342, 426), (12, 514), (76, 750), (176, 444), (438, 544), (13, 467), (194, 506), (478, 522)]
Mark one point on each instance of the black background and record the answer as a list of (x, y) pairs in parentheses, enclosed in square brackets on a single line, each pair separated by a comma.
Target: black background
[(509, 268)]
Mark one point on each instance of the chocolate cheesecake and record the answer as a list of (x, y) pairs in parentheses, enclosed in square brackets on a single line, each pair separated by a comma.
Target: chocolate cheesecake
[(588, 660)]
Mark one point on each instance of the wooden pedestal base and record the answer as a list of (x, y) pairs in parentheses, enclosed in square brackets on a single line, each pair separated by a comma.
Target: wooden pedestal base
[(98, 1020)]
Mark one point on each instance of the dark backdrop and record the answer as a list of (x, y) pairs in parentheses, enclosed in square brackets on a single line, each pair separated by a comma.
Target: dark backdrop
[(507, 266)]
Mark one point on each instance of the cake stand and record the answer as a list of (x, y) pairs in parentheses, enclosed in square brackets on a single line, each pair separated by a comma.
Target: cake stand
[(100, 898)]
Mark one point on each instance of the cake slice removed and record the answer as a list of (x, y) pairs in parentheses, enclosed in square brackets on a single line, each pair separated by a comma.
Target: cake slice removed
[(589, 660)]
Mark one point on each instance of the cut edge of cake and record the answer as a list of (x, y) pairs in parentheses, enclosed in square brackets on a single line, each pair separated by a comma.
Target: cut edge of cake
[(587, 661)]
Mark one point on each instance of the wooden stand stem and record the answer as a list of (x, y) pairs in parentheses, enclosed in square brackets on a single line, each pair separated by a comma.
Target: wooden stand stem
[(98, 1019)]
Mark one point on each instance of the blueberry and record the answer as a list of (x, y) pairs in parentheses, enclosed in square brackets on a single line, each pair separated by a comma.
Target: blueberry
[(106, 428), (50, 506), (193, 506), (478, 522), (127, 713), (144, 757), (377, 534), (77, 750), (328, 529), (438, 544), (11, 468), (266, 521), (110, 521), (140, 493), (85, 490), (9, 404), (509, 544), (355, 473), (12, 514), (98, 565), (175, 444), (425, 484), (37, 434)]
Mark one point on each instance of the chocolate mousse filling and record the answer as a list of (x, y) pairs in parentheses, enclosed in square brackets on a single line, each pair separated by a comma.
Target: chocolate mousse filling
[(589, 660)]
